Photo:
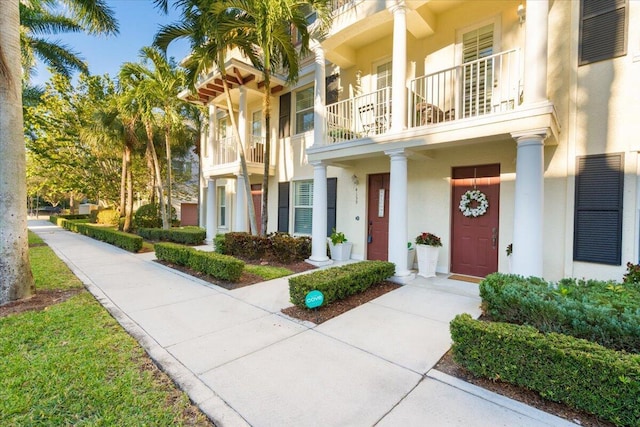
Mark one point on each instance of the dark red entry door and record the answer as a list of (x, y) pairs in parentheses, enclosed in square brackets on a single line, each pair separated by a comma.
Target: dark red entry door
[(474, 240), (256, 195), (378, 217)]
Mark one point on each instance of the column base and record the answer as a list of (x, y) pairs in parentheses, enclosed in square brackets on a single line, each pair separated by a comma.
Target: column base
[(319, 262), (403, 279)]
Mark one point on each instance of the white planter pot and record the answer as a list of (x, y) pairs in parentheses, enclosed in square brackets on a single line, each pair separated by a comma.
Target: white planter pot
[(427, 260), (341, 251), (411, 258)]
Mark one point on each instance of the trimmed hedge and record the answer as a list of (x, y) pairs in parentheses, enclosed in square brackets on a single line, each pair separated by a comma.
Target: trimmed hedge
[(279, 247), (561, 368), (604, 312), (184, 235), (55, 218), (339, 282), (219, 266), (126, 241)]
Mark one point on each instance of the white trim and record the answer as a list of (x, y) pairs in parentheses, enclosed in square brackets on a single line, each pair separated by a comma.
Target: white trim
[(496, 20)]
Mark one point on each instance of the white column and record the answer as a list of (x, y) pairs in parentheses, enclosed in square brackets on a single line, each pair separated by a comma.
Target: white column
[(399, 66), (319, 97), (398, 212), (241, 213), (535, 51), (209, 151), (319, 219), (528, 212), (211, 221)]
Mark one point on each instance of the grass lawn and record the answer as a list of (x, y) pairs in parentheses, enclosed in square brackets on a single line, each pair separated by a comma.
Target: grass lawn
[(72, 364), (267, 272)]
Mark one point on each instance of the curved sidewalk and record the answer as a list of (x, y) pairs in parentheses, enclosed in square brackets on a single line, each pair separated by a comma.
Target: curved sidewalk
[(245, 363)]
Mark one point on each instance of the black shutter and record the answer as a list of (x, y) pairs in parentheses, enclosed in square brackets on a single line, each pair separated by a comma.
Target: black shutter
[(332, 89), (598, 209), (284, 124), (332, 187), (283, 207), (603, 30)]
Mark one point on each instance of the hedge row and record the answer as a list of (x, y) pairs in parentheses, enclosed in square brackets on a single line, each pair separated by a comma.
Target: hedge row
[(279, 247), (339, 282), (184, 235), (219, 266), (561, 368), (55, 218), (129, 242), (604, 312)]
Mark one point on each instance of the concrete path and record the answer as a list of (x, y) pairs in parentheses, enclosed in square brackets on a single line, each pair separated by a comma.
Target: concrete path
[(245, 363)]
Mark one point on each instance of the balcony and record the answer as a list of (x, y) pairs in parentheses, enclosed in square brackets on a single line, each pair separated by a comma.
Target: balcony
[(481, 88), (225, 160)]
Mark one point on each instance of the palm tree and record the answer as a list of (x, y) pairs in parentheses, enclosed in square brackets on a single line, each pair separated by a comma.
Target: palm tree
[(163, 82), (202, 25), (262, 30), (16, 280), (39, 18)]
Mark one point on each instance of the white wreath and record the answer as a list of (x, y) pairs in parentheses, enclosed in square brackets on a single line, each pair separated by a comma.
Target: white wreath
[(481, 203)]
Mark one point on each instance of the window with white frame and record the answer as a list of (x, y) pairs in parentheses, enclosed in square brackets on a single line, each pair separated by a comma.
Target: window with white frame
[(304, 110), (221, 127), (256, 123), (222, 207), (302, 207), (383, 75)]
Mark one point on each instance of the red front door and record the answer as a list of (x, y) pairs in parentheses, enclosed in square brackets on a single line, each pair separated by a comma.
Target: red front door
[(378, 217), (256, 195), (474, 240)]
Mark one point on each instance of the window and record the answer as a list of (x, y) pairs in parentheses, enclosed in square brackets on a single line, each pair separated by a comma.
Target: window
[(221, 127), (597, 235), (302, 207), (603, 30), (304, 110), (383, 75), (222, 207), (477, 75), (256, 123)]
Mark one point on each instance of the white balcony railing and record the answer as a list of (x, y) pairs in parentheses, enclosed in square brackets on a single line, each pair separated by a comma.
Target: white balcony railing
[(359, 117), (227, 152), (337, 6), (487, 85)]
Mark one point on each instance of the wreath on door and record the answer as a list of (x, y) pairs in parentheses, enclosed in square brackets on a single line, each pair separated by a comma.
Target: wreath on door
[(473, 203)]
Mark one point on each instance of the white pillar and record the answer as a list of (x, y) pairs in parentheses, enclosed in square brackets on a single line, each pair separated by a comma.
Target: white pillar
[(398, 212), (535, 51), (399, 66), (240, 223), (209, 151), (211, 221), (528, 213), (319, 97), (319, 218)]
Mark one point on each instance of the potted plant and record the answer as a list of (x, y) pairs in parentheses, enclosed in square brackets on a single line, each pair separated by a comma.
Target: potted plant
[(411, 255), (339, 246), (427, 245), (509, 252)]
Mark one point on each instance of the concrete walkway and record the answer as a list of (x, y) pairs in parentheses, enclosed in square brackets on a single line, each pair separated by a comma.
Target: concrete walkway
[(245, 363)]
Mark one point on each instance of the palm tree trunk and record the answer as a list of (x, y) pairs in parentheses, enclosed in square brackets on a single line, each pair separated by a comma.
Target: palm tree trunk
[(128, 210), (243, 160), (267, 157), (167, 141), (16, 280), (158, 175), (123, 180)]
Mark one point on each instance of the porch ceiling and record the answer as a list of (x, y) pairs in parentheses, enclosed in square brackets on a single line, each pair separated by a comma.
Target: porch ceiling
[(238, 73)]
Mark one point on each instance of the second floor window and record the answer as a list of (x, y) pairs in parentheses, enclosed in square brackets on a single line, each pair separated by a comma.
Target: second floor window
[(304, 110), (603, 30)]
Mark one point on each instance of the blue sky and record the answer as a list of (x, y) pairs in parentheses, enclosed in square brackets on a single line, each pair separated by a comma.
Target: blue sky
[(138, 21)]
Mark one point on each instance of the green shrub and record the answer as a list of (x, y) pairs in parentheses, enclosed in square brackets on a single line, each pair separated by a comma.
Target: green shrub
[(108, 217), (148, 216), (339, 282), (185, 235), (56, 219), (604, 312), (219, 244), (561, 368), (633, 273), (278, 247), (216, 265), (129, 242)]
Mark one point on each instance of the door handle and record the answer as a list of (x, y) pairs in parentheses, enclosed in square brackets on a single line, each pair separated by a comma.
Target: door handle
[(494, 237)]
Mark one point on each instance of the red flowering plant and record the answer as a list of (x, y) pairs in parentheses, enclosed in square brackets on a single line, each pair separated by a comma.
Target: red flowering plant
[(428, 239)]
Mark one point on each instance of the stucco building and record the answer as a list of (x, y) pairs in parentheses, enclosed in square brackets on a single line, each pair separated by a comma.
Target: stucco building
[(406, 106)]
